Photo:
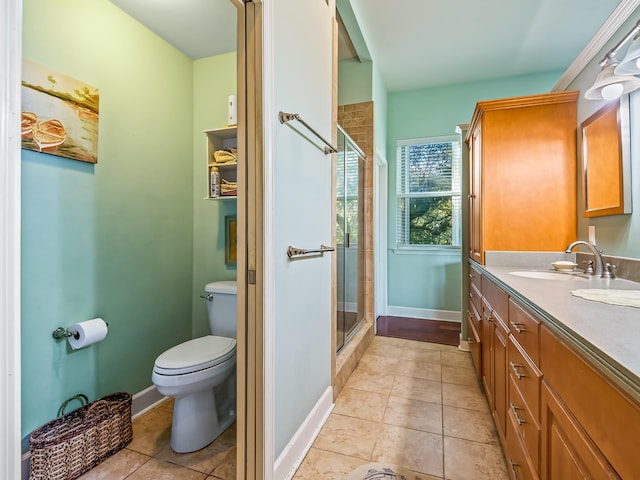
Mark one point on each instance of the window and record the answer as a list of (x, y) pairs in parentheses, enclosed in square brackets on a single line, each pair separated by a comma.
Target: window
[(428, 192)]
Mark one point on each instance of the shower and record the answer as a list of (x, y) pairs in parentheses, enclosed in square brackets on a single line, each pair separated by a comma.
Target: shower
[(349, 238)]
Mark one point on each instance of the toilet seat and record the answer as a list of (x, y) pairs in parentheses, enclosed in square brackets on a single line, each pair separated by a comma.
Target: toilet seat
[(194, 355)]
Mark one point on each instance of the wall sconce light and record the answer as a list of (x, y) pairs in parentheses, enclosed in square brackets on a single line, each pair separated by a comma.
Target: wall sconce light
[(616, 79)]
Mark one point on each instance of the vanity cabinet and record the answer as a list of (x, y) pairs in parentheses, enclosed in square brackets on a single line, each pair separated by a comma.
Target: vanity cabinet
[(522, 166), (494, 351), (221, 139), (558, 417)]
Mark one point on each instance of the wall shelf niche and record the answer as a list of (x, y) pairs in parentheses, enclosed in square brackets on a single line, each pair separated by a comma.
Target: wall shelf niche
[(221, 139)]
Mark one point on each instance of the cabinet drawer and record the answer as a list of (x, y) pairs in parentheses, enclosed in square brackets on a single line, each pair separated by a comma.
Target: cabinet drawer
[(475, 297), (496, 297), (518, 464), (526, 376), (525, 423), (610, 418), (475, 277), (526, 330)]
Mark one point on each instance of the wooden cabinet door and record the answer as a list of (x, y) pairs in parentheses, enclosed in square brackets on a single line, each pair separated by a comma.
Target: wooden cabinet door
[(487, 351), (500, 376), (475, 197), (475, 346), (568, 453)]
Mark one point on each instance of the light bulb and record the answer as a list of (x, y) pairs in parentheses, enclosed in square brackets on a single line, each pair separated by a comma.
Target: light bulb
[(638, 63), (613, 91)]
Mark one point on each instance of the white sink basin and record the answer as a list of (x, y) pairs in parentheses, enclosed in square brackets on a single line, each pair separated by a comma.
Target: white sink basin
[(549, 275)]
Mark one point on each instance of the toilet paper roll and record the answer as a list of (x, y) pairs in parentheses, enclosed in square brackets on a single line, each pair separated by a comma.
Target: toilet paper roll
[(87, 333)]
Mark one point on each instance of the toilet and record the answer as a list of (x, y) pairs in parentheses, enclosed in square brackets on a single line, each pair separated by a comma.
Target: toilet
[(200, 375)]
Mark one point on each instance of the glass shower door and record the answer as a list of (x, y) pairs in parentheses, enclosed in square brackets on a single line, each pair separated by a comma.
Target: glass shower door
[(349, 232)]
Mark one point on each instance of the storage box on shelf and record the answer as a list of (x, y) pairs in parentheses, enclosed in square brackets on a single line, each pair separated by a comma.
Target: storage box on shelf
[(227, 172)]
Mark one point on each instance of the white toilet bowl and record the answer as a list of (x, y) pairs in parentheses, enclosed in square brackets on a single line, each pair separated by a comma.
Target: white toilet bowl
[(200, 375)]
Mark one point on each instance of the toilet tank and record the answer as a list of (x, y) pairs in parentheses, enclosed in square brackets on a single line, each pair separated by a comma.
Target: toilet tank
[(222, 298)]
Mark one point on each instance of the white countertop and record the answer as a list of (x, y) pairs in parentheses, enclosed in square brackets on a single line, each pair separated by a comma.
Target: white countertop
[(608, 335)]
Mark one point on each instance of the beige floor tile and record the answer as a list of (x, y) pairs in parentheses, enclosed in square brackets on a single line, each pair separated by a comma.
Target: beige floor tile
[(371, 382), (323, 465), (419, 369), (385, 349), (226, 469), (116, 467), (377, 364), (469, 425), (350, 436), (464, 460), (361, 404), (152, 431), (417, 389), (398, 342), (422, 355), (413, 449), (159, 470), (457, 359), (405, 412), (461, 376), (417, 345), (207, 459), (464, 396), (450, 348)]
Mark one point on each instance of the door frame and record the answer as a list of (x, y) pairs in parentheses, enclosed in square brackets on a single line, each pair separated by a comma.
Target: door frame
[(10, 210)]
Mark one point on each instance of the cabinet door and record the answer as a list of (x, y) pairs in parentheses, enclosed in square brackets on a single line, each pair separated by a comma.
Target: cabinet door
[(568, 453), (487, 351), (475, 196), (500, 376), (474, 342)]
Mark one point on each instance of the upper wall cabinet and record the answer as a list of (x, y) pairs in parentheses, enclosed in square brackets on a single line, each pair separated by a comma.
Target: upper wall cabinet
[(522, 159), (222, 163), (606, 169)]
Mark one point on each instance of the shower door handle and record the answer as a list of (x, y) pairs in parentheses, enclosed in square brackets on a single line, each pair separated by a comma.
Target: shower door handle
[(347, 240)]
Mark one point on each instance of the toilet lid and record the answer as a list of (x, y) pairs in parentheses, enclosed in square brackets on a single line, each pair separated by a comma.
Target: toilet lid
[(196, 354)]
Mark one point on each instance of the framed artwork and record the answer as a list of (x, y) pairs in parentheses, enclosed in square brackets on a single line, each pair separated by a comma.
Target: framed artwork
[(230, 240), (59, 114)]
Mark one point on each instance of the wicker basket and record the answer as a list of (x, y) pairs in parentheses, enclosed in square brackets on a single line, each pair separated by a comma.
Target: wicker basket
[(65, 448)]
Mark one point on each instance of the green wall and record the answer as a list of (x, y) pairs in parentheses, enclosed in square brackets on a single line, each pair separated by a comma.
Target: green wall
[(214, 79), (116, 239), (432, 281)]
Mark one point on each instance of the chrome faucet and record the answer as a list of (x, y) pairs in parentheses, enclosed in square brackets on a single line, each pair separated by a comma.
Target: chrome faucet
[(596, 253)]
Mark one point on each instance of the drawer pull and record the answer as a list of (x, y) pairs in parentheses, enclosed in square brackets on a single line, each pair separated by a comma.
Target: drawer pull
[(518, 327), (515, 367), (513, 466), (514, 410)]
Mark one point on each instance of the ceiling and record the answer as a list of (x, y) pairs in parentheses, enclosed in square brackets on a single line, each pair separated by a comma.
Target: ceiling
[(414, 43)]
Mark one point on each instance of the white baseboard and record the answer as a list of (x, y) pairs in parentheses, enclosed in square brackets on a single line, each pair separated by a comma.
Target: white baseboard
[(425, 313), (291, 458), (145, 400)]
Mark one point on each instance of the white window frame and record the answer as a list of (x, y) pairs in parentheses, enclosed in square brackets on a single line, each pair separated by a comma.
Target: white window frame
[(402, 195)]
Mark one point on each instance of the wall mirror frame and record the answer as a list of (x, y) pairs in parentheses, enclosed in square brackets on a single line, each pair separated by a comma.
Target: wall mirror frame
[(606, 161)]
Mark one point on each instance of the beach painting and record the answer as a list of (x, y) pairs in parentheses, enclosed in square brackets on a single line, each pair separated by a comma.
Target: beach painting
[(59, 114)]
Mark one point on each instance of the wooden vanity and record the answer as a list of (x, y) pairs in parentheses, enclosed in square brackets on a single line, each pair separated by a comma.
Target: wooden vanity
[(563, 408)]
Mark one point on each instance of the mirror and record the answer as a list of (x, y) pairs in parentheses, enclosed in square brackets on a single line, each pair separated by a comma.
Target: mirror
[(606, 175)]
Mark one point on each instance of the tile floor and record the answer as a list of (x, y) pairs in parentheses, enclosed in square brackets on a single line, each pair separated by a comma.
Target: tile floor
[(149, 456), (413, 404)]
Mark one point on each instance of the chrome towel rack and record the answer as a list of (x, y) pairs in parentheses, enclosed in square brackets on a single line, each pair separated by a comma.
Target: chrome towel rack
[(298, 252), (287, 117)]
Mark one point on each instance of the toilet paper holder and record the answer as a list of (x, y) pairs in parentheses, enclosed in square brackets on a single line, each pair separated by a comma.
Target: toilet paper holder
[(62, 332)]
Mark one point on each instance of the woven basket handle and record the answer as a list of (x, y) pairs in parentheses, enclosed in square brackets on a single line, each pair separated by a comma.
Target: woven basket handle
[(80, 397)]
